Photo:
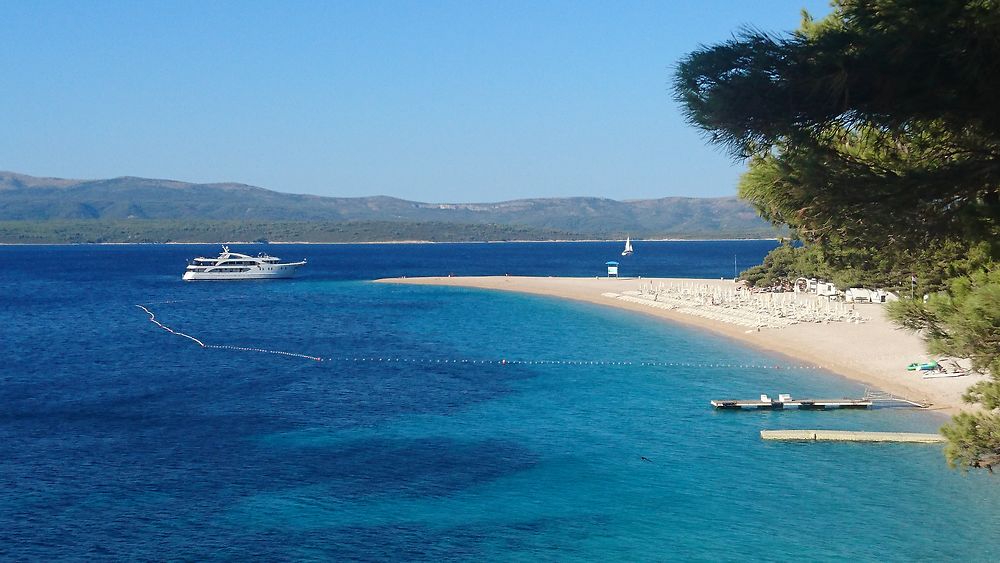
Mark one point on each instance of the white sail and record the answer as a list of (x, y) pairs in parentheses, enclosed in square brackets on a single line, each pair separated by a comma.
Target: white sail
[(628, 246)]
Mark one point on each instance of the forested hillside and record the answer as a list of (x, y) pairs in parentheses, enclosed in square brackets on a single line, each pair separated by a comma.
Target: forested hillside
[(28, 198)]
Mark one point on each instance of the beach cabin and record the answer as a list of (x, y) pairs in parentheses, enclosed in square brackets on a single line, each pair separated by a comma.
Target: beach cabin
[(612, 269), (805, 285), (883, 296), (817, 286), (801, 285), (858, 295), (827, 289)]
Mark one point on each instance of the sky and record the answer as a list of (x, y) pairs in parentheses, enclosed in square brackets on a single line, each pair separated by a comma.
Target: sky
[(423, 100)]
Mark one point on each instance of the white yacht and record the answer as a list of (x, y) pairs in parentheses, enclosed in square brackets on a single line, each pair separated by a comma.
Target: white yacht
[(236, 266)]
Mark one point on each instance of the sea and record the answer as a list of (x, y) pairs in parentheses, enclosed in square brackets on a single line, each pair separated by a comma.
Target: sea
[(443, 424)]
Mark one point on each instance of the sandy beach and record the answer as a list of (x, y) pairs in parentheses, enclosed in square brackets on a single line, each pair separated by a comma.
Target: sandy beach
[(874, 352)]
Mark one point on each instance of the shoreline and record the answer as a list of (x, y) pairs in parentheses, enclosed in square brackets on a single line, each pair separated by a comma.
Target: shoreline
[(387, 242), (873, 353)]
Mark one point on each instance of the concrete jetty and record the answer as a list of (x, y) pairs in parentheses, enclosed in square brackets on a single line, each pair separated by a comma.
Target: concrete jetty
[(850, 436)]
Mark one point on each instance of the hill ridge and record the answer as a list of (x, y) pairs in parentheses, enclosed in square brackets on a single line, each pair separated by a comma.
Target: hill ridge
[(31, 198)]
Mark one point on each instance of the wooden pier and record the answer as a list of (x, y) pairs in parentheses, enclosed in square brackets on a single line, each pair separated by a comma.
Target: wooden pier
[(850, 436), (784, 401)]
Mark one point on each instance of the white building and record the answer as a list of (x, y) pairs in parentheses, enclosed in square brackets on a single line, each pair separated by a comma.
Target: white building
[(858, 295), (827, 289), (813, 285), (883, 296)]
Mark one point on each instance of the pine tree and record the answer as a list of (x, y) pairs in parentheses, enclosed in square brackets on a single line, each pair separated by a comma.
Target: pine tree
[(874, 134)]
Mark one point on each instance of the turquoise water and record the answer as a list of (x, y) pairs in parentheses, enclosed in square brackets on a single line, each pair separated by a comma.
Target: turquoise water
[(119, 440), (574, 437)]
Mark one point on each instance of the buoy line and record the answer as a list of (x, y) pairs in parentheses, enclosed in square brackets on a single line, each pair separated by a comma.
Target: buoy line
[(696, 365), (152, 319), (214, 299), (437, 360), (264, 351)]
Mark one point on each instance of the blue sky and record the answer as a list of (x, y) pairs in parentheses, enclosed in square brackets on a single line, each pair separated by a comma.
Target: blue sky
[(431, 101)]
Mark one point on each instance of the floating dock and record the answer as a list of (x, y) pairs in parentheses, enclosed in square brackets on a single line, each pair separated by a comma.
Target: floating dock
[(785, 401), (805, 404), (850, 436)]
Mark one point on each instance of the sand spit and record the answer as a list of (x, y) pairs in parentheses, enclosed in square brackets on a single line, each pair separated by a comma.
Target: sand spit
[(874, 352)]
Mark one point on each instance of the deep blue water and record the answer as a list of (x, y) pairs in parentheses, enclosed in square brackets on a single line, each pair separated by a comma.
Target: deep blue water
[(121, 441)]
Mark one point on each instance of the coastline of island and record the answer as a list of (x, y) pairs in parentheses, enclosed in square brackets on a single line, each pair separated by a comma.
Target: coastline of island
[(874, 353), (290, 242)]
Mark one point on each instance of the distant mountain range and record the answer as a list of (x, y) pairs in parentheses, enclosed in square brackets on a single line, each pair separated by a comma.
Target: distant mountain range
[(31, 199)]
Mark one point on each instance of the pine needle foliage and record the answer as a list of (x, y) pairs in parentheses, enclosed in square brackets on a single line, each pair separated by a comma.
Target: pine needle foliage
[(875, 135)]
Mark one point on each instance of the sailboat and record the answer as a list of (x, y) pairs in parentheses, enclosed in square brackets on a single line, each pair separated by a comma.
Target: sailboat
[(628, 247)]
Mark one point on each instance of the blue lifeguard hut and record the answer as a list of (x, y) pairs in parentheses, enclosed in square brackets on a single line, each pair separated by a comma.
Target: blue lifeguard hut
[(612, 269)]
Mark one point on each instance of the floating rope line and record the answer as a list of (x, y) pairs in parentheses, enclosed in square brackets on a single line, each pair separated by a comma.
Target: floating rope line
[(571, 363), (528, 362), (152, 319), (213, 299), (264, 351)]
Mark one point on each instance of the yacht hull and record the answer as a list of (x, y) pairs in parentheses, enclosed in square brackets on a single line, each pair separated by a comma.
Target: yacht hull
[(279, 271), (233, 266)]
